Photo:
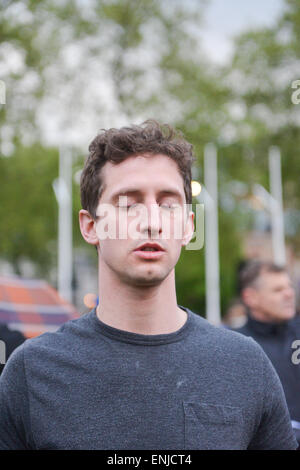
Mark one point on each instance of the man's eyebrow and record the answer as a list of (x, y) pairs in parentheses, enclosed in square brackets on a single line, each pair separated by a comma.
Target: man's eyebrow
[(170, 192), (138, 192), (125, 192)]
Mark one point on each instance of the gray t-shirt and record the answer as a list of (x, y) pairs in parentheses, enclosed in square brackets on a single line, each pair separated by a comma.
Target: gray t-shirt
[(92, 386)]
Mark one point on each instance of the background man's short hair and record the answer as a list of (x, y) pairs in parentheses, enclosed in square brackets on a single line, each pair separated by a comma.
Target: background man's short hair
[(251, 270), (115, 145)]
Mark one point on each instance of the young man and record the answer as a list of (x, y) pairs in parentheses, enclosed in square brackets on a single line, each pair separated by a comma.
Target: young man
[(269, 296), (140, 371)]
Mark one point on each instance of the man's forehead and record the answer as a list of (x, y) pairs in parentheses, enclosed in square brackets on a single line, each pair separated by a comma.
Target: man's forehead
[(134, 174), (140, 163)]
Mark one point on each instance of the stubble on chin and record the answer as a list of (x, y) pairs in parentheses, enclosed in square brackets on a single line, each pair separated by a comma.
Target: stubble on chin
[(145, 280), (148, 278)]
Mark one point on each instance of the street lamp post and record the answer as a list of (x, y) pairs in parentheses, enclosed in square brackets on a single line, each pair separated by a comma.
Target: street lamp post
[(273, 203), (277, 206), (212, 267), (63, 192), (208, 194)]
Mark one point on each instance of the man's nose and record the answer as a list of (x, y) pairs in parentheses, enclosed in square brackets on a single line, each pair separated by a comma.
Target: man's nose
[(289, 293), (151, 222)]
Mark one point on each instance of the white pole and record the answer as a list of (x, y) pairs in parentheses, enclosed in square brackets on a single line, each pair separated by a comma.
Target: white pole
[(212, 269), (65, 262), (278, 241)]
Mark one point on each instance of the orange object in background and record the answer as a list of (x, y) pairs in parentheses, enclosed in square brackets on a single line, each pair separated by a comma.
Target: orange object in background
[(32, 306), (90, 300)]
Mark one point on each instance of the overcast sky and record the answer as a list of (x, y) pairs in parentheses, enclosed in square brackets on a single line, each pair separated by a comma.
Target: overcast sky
[(225, 18)]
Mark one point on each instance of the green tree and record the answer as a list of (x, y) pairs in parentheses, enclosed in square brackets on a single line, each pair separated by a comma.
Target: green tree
[(264, 66), (28, 211)]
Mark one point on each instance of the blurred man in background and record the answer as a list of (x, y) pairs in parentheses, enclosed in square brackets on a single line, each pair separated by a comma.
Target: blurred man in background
[(269, 297)]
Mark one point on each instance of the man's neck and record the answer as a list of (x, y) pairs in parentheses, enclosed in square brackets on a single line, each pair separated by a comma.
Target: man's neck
[(143, 310)]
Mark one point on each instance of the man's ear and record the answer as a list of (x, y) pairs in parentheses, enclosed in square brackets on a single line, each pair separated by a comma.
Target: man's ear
[(248, 296), (189, 229), (87, 227)]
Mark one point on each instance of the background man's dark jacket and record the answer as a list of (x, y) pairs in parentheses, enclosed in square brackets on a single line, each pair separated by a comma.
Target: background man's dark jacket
[(276, 340)]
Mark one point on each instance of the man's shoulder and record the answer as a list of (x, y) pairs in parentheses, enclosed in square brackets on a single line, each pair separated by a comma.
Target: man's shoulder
[(220, 332), (62, 339), (224, 339)]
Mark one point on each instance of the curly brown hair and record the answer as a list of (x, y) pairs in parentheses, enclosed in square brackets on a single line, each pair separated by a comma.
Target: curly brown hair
[(115, 145)]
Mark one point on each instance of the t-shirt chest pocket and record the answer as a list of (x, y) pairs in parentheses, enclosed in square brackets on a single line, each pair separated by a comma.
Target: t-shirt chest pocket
[(212, 426)]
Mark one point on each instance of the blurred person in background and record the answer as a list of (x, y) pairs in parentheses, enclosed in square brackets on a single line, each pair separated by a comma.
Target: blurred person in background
[(11, 340), (268, 294)]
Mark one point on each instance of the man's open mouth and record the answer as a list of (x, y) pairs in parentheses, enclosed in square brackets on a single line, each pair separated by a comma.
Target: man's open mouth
[(149, 247), (149, 251)]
